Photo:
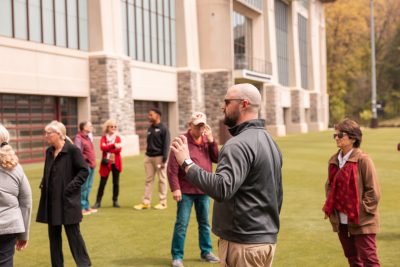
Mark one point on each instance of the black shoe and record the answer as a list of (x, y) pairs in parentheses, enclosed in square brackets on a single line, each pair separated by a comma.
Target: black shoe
[(96, 205), (115, 204)]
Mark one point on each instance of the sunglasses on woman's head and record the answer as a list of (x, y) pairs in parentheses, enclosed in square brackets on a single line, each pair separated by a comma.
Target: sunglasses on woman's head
[(340, 135)]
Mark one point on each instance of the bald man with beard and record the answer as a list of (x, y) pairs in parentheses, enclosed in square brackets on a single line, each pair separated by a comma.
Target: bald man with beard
[(247, 184)]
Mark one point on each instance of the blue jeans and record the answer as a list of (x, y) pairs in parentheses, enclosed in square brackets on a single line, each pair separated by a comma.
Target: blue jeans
[(7, 249), (85, 190), (202, 207)]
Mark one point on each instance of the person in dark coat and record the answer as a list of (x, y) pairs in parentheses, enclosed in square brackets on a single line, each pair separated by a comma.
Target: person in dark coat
[(65, 171)]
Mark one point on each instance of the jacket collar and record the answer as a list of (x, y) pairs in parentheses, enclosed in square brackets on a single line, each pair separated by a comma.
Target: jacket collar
[(190, 138), (63, 150), (354, 157), (257, 123), (83, 135)]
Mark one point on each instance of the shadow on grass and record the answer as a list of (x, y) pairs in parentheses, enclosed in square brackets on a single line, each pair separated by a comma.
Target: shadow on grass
[(153, 261)]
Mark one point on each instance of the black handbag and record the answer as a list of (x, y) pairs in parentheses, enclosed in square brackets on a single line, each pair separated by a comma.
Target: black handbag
[(104, 161)]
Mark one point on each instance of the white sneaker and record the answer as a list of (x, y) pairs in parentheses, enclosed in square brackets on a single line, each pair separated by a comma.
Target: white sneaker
[(177, 263)]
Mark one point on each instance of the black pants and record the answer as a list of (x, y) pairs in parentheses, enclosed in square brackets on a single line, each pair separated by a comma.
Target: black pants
[(76, 245), (103, 182), (7, 249)]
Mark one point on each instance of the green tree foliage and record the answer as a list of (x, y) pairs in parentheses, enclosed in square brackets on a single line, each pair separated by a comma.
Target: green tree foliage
[(349, 56), (389, 73)]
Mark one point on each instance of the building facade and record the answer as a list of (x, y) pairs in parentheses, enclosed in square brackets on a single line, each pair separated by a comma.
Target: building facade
[(75, 60)]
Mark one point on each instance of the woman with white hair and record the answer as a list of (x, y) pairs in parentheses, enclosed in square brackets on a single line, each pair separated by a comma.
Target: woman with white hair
[(15, 202), (65, 171)]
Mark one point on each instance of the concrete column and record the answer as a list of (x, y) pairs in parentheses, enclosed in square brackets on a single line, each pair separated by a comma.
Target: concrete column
[(105, 26), (215, 84), (110, 74), (270, 37), (190, 96), (294, 56), (316, 112), (273, 109), (216, 49), (299, 102)]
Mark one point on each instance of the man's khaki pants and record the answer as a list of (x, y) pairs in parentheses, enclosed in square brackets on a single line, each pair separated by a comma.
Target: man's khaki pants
[(245, 255), (151, 168)]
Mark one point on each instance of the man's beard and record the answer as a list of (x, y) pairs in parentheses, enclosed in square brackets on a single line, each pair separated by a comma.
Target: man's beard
[(231, 120)]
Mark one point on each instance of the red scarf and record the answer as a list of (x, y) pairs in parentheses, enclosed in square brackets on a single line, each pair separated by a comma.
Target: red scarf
[(343, 194)]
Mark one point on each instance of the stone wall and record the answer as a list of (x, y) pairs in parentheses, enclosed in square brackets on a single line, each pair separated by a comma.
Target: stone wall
[(190, 89), (111, 93), (315, 103), (215, 86), (202, 92), (296, 108), (271, 103)]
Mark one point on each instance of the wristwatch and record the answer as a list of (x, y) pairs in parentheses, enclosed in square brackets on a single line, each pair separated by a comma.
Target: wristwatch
[(186, 162)]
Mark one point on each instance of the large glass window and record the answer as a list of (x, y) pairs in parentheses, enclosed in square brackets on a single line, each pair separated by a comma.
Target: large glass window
[(160, 25), (282, 29), (20, 18), (61, 37), (124, 16), (146, 30), (167, 36), (72, 10), (60, 22), (48, 22), (149, 30), (242, 41), (303, 46), (83, 25), (173, 33), (25, 117), (153, 23), (131, 29), (5, 18), (35, 32), (139, 30)]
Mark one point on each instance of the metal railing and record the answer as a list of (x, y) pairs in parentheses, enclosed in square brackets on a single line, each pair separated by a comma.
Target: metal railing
[(258, 4), (243, 61)]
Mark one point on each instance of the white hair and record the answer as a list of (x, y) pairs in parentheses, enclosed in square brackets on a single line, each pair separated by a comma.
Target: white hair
[(59, 128)]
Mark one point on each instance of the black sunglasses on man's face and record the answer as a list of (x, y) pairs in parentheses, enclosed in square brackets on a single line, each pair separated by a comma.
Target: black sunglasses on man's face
[(340, 135)]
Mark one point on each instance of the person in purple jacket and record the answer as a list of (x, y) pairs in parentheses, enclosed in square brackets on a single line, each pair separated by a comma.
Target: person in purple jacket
[(203, 151)]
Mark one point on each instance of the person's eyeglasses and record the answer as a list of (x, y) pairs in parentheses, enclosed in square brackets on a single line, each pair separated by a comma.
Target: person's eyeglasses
[(340, 135), (113, 126), (228, 101)]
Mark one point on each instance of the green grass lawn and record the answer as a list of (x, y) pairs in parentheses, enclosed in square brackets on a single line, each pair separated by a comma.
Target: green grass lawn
[(125, 237)]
